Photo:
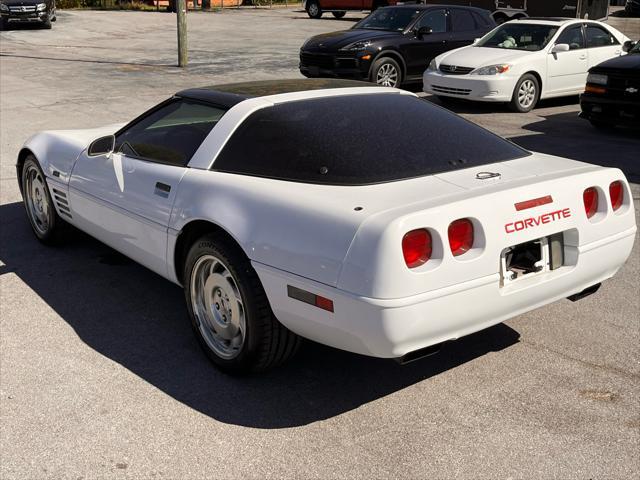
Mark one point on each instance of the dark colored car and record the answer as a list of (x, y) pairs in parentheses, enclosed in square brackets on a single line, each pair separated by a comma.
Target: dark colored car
[(38, 12), (632, 7), (393, 45), (612, 94)]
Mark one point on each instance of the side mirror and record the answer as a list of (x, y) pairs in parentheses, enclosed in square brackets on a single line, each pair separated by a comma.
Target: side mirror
[(560, 47), (423, 31), (628, 45), (102, 146), (476, 40)]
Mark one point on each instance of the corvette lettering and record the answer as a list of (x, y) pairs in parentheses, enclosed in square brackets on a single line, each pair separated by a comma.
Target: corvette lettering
[(537, 221)]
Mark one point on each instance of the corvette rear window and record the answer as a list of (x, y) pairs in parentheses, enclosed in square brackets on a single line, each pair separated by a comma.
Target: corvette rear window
[(359, 140)]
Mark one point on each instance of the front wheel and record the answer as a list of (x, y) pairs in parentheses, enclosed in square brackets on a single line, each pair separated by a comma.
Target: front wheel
[(45, 221), (386, 72), (526, 94), (229, 310), (339, 14), (313, 9)]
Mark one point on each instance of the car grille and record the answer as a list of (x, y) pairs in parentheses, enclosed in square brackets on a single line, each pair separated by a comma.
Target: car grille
[(22, 9), (455, 70), (450, 91), (316, 60), (623, 86)]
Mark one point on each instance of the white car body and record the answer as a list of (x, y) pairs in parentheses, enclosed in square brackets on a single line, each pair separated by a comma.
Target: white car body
[(343, 242), (560, 73)]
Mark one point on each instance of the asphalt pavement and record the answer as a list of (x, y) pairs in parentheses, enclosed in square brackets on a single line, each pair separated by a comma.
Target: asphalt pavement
[(101, 377)]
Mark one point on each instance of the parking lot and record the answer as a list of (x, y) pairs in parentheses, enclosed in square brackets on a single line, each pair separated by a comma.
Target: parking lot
[(101, 376)]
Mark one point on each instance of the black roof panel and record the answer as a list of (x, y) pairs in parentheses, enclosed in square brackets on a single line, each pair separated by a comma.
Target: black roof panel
[(229, 94)]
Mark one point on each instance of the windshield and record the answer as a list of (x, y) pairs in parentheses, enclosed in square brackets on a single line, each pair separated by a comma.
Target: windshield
[(519, 36), (390, 19)]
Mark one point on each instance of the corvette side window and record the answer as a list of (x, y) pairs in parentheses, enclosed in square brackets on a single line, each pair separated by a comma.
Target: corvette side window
[(573, 37), (437, 20), (171, 134), (599, 37)]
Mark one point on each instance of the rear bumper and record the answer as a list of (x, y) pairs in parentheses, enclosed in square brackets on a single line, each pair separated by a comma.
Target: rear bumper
[(480, 88), (610, 110), (392, 328)]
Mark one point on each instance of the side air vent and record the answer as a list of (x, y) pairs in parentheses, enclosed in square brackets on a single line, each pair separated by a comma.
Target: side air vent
[(61, 202)]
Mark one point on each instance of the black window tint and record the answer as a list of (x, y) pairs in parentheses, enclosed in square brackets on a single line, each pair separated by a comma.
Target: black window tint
[(599, 37), (171, 134), (462, 21), (482, 21), (436, 19), (358, 140), (573, 37)]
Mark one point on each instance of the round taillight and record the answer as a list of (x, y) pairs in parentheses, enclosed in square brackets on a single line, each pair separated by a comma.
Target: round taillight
[(616, 192), (416, 247), (590, 198), (460, 236)]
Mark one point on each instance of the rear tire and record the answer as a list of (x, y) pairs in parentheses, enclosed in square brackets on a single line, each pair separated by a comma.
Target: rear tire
[(339, 14), (45, 222), (526, 94), (386, 72), (313, 9), (230, 312)]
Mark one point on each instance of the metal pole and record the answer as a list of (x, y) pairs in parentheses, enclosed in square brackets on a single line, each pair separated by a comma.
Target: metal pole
[(181, 11)]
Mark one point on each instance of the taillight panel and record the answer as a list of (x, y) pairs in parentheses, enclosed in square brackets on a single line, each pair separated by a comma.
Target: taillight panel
[(461, 236), (616, 194), (590, 200), (417, 246)]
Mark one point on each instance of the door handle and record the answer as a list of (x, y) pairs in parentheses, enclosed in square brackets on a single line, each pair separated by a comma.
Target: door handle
[(583, 57), (162, 189)]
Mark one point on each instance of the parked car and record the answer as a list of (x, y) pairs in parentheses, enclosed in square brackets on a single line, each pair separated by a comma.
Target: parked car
[(281, 215), (632, 8), (522, 61), (315, 8), (393, 45), (37, 12), (612, 95)]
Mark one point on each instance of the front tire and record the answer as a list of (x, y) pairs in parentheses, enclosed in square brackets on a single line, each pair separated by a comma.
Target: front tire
[(313, 9), (526, 94), (45, 221), (229, 310), (386, 72), (339, 14)]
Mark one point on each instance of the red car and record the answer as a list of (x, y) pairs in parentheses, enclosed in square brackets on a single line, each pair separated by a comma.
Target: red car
[(315, 8)]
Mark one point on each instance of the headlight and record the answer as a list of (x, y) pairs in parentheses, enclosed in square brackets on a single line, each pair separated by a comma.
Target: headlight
[(3, 7), (597, 79), (432, 65), (354, 47), (41, 7), (492, 69)]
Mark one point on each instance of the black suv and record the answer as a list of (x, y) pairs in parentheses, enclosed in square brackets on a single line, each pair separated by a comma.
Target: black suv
[(393, 45), (612, 95), (38, 12)]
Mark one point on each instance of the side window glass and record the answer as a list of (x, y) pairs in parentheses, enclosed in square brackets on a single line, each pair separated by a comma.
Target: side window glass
[(573, 37), (171, 134), (463, 21), (599, 37), (436, 19)]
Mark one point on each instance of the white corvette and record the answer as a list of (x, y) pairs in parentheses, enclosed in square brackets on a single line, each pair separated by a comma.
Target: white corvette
[(523, 61), (281, 214)]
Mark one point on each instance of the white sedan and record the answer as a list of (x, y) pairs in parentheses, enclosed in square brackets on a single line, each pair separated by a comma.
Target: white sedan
[(523, 61), (282, 216)]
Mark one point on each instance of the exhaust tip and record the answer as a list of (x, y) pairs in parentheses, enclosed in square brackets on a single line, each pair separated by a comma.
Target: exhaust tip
[(419, 354)]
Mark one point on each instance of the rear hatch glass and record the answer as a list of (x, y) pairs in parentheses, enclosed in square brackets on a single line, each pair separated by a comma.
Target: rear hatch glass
[(359, 140)]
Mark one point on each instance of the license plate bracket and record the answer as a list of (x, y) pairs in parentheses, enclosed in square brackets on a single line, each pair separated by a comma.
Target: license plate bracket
[(525, 260)]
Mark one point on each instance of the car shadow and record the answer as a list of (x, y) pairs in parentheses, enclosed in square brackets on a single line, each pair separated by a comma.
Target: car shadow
[(138, 320), (567, 135), (461, 106)]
